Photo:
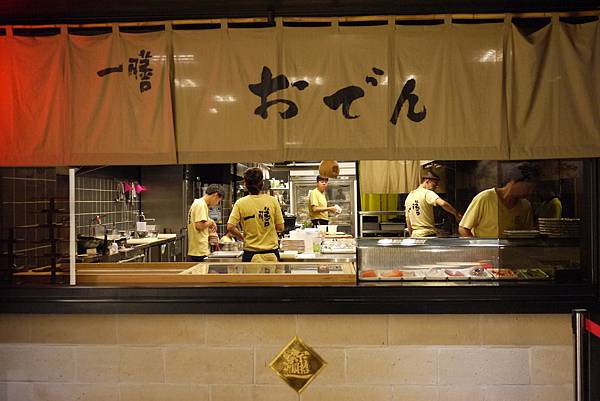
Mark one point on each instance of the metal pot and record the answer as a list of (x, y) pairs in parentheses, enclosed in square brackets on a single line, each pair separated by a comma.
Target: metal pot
[(84, 243)]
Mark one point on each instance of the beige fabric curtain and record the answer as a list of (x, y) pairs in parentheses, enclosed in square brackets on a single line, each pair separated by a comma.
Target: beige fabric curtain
[(389, 176), (33, 102), (336, 62), (458, 75), (488, 91), (124, 116), (214, 107), (554, 91)]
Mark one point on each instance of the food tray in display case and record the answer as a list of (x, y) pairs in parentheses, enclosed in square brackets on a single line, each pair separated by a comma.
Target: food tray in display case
[(464, 259), (428, 274), (338, 245)]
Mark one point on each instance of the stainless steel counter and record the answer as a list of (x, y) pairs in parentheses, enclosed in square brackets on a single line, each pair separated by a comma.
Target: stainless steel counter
[(138, 250)]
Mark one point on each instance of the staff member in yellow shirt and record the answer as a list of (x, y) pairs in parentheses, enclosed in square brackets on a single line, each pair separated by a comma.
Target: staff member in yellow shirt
[(260, 218), (318, 211), (419, 206), (551, 206), (495, 210), (199, 224)]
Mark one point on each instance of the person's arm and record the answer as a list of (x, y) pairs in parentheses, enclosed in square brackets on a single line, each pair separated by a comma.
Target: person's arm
[(317, 209), (313, 204), (279, 221), (232, 229), (234, 219), (471, 218), (449, 208), (201, 225), (464, 232), (409, 225)]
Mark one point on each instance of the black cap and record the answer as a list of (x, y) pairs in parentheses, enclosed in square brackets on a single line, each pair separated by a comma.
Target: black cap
[(430, 176)]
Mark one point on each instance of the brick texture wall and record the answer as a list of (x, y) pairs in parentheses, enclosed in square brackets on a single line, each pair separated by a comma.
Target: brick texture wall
[(226, 357)]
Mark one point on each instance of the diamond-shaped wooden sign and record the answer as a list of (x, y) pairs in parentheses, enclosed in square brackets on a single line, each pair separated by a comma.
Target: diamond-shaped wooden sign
[(297, 364)]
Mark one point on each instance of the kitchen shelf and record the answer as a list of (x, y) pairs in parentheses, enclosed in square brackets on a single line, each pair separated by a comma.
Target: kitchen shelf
[(33, 226), (378, 214), (52, 242)]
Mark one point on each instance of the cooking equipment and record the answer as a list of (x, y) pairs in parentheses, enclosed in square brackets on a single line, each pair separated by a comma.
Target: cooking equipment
[(289, 223), (231, 246), (84, 243)]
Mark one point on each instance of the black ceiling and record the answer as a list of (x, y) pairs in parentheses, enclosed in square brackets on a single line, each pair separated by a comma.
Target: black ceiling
[(85, 11)]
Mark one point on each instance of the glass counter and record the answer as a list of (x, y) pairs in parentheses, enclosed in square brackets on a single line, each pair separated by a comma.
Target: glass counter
[(469, 260), (215, 273)]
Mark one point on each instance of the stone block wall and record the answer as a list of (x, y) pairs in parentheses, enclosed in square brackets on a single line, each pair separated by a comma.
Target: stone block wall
[(226, 357)]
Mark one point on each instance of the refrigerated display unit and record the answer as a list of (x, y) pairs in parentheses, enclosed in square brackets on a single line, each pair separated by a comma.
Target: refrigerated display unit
[(341, 191)]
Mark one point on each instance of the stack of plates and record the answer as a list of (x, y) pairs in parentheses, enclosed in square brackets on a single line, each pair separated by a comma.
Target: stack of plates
[(521, 233), (559, 228)]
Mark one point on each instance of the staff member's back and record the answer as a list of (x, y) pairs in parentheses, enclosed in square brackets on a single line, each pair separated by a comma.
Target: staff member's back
[(260, 217)]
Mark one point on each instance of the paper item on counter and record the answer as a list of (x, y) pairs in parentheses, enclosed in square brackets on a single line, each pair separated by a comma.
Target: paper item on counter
[(288, 254)]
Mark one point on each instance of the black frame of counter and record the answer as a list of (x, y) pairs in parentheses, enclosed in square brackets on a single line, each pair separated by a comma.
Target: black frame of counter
[(297, 300)]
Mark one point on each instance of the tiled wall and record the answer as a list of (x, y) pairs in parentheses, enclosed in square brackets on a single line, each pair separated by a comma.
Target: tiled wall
[(25, 193), (96, 195), (226, 357)]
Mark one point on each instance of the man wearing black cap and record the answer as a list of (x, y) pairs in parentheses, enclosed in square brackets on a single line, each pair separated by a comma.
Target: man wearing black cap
[(419, 206), (318, 211)]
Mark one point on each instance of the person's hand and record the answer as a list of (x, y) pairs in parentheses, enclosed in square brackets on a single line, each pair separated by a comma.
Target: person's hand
[(212, 226), (459, 216)]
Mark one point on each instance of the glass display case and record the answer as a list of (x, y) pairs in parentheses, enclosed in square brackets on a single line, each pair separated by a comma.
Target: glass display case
[(282, 193), (472, 260), (340, 191), (229, 273)]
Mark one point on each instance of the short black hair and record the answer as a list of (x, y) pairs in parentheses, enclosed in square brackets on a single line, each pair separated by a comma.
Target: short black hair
[(522, 172), (253, 178), (321, 178), (215, 189)]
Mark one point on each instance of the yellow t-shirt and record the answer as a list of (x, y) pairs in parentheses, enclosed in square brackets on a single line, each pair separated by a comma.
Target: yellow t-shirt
[(487, 217), (550, 209), (419, 209), (317, 198), (258, 215), (198, 239)]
